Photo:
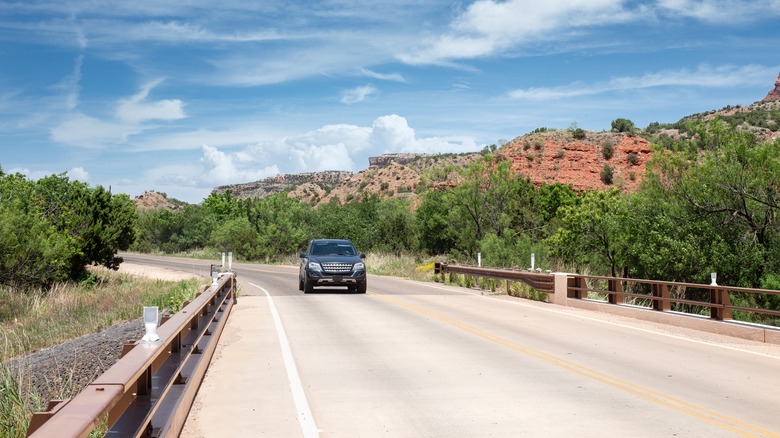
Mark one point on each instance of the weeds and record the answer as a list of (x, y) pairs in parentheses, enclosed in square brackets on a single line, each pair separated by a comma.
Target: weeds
[(36, 319)]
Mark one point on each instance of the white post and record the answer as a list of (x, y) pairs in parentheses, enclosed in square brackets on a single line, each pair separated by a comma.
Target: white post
[(150, 324), (479, 259), (214, 277), (230, 261), (533, 261), (714, 276), (223, 260)]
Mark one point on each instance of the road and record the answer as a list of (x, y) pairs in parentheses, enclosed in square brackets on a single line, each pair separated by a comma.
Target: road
[(414, 359)]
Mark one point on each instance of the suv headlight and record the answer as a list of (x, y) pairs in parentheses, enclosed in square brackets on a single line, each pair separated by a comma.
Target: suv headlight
[(359, 266), (314, 266)]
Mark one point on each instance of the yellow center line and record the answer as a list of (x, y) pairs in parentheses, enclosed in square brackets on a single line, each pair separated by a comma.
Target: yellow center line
[(738, 427)]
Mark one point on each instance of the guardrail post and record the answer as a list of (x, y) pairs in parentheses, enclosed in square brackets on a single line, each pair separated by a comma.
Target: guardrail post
[(616, 288), (660, 298), (577, 288), (720, 299)]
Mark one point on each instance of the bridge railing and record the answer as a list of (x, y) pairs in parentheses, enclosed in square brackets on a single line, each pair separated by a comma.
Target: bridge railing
[(713, 300), (148, 392)]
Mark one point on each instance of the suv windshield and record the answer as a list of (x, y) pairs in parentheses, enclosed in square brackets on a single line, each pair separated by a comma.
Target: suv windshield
[(332, 248)]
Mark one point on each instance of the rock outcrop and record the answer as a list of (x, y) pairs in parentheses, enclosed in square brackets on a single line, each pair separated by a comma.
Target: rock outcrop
[(774, 94)]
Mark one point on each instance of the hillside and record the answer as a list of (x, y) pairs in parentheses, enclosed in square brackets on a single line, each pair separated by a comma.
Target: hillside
[(596, 160)]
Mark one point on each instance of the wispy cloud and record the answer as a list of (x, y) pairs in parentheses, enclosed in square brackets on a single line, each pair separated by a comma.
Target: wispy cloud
[(137, 109), (358, 94), (702, 77), (488, 27), (130, 116), (396, 77), (721, 11)]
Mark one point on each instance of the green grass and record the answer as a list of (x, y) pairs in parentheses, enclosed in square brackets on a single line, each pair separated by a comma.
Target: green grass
[(34, 319)]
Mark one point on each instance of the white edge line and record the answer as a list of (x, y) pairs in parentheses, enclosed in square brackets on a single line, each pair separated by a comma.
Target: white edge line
[(560, 312), (305, 417)]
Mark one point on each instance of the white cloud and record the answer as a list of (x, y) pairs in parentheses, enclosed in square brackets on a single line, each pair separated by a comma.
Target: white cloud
[(221, 168), (702, 77), (78, 174), (88, 132), (488, 27), (396, 77), (74, 174), (137, 109), (721, 11), (131, 114), (358, 94)]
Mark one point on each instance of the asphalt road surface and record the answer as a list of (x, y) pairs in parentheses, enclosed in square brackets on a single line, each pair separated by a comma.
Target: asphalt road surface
[(413, 359)]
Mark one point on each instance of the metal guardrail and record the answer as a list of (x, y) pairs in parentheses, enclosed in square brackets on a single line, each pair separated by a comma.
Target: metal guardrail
[(149, 391), (666, 296), (662, 296), (536, 280)]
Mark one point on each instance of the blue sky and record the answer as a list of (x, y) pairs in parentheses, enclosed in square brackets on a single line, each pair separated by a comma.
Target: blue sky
[(183, 96)]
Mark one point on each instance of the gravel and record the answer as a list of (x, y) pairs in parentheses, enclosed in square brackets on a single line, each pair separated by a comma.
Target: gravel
[(74, 364)]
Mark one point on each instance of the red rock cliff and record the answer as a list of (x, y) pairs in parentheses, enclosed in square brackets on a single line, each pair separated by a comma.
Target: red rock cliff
[(774, 94)]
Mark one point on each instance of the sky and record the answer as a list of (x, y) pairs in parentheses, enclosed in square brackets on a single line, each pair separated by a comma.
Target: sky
[(182, 96)]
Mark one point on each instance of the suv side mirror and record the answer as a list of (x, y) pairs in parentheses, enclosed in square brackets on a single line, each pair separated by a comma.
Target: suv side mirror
[(362, 256), (302, 255)]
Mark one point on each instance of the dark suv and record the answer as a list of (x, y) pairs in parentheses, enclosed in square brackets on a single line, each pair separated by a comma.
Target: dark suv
[(332, 262)]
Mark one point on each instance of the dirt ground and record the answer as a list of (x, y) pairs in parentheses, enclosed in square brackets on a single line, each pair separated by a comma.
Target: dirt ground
[(155, 272)]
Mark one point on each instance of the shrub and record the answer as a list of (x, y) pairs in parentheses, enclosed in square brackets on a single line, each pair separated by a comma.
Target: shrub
[(607, 149), (633, 158), (623, 125), (606, 174), (579, 133)]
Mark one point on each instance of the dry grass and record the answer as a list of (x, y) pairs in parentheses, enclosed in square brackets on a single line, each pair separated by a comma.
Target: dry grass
[(35, 319)]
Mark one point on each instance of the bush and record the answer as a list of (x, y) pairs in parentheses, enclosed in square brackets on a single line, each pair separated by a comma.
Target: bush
[(607, 149), (579, 134), (623, 125), (633, 158), (606, 174)]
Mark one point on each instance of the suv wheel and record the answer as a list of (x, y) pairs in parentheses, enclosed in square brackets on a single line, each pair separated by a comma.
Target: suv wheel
[(300, 283), (307, 287), (361, 287)]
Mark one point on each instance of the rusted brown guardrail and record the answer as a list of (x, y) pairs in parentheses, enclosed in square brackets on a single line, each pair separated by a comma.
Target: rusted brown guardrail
[(663, 296), (149, 391), (666, 296), (539, 281)]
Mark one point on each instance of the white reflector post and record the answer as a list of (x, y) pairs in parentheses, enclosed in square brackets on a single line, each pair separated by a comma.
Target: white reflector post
[(714, 277), (150, 323)]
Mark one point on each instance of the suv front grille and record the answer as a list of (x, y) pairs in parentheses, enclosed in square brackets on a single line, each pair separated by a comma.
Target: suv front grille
[(337, 268)]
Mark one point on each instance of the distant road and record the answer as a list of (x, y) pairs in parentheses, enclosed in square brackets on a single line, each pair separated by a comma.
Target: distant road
[(415, 359)]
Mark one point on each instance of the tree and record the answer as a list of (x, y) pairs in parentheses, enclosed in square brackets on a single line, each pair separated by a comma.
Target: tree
[(734, 184), (32, 251), (99, 223), (595, 232), (623, 125)]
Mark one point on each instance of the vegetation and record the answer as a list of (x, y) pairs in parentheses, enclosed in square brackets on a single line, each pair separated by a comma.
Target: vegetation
[(623, 125), (36, 319), (53, 228)]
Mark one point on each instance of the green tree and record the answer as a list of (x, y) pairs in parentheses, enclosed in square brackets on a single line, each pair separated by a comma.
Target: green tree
[(281, 224), (595, 232), (431, 224), (623, 125), (32, 251), (732, 184)]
